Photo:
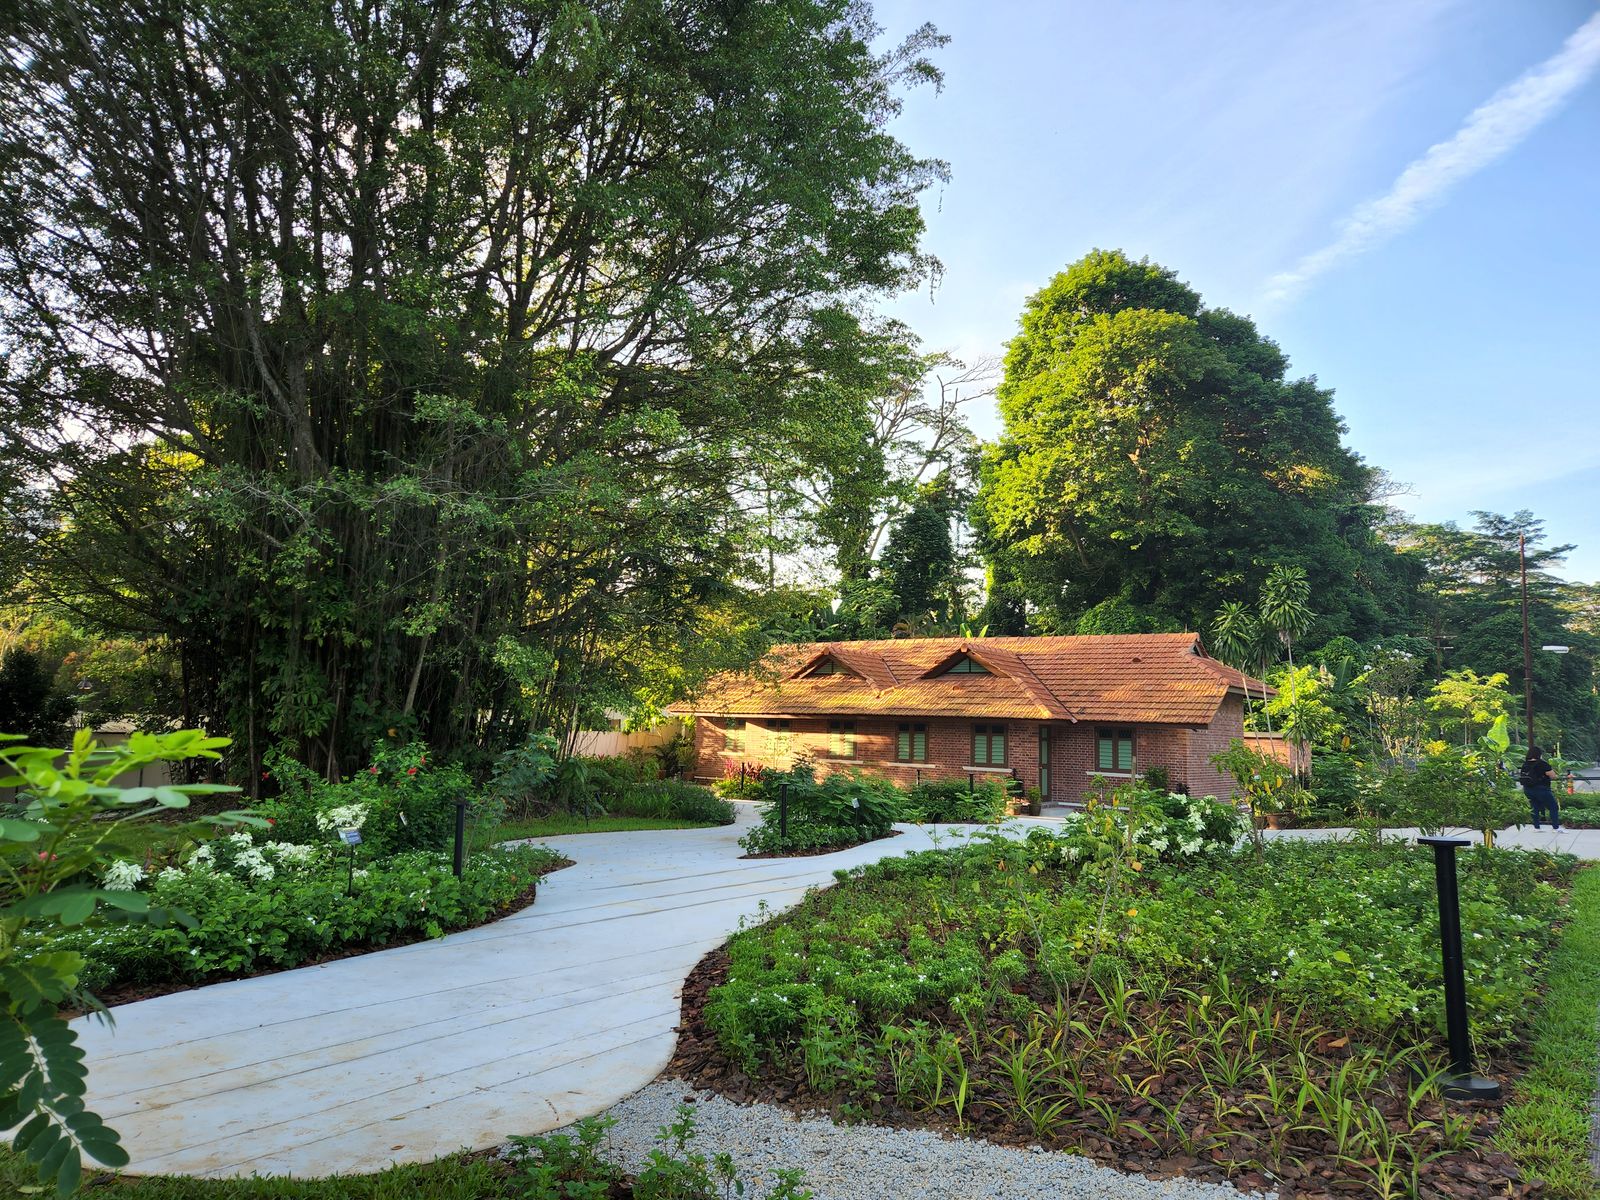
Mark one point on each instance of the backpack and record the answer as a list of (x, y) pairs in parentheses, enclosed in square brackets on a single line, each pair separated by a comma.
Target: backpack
[(1532, 773)]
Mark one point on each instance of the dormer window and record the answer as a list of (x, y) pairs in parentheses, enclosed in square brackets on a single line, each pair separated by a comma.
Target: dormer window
[(966, 666), (830, 666)]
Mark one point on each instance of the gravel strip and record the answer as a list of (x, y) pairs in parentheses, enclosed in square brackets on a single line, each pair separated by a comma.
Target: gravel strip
[(868, 1162)]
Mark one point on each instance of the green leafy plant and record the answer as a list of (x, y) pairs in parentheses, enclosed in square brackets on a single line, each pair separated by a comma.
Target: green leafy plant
[(840, 810), (954, 801), (67, 828)]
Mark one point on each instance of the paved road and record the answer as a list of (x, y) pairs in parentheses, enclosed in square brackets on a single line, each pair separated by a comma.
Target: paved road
[(521, 1026), (400, 1056)]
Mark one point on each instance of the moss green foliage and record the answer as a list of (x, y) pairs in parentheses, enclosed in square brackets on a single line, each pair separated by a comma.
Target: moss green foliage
[(1453, 785), (1546, 1125), (57, 842), (843, 809), (940, 801), (1048, 978)]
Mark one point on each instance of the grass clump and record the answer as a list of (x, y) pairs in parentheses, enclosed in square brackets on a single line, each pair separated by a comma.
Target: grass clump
[(1546, 1126)]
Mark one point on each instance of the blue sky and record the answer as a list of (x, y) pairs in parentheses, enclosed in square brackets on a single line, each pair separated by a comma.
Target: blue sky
[(1262, 151)]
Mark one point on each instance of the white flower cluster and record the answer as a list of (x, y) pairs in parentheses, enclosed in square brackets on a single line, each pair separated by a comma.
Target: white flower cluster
[(254, 864), (291, 854), (346, 816), (122, 876)]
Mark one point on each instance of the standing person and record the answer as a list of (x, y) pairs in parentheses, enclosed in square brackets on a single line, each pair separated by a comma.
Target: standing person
[(1537, 777)]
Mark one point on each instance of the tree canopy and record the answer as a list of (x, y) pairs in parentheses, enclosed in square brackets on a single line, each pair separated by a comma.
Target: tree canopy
[(1156, 454), (422, 364)]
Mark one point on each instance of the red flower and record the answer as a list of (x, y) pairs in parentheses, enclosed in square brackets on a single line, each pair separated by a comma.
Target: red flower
[(266, 774), (271, 821), (411, 770), (372, 770)]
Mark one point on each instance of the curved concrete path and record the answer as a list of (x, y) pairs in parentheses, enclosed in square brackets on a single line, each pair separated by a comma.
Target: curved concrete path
[(518, 1027)]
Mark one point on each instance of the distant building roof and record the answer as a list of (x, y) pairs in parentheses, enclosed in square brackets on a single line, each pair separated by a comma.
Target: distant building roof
[(1144, 678)]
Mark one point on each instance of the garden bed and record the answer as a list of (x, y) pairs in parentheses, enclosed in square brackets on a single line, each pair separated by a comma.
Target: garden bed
[(132, 993), (257, 909), (1261, 1023)]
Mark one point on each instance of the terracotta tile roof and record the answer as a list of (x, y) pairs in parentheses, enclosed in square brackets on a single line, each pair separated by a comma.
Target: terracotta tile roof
[(1148, 678)]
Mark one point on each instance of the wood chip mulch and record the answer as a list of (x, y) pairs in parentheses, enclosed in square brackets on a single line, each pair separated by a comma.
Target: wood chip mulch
[(1481, 1173)]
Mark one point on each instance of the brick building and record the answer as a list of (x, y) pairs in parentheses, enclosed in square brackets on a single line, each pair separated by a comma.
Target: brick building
[(1056, 712)]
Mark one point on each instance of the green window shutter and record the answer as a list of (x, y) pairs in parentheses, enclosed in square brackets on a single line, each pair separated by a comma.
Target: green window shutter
[(919, 744), (1106, 756), (980, 745), (997, 746), (902, 746), (1125, 750)]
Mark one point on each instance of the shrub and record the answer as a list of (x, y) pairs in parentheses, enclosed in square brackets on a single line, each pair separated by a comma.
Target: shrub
[(304, 906), (403, 800), (1178, 826), (522, 776), (841, 810), (1453, 786), (674, 800), (949, 801)]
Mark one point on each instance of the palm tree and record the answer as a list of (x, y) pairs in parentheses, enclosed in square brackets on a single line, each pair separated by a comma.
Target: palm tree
[(1236, 639), (1286, 611)]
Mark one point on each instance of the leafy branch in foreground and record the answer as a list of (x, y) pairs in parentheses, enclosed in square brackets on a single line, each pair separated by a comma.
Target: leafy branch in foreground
[(69, 823)]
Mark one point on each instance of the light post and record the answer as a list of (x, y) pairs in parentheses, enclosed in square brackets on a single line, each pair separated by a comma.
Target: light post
[(1461, 1084)]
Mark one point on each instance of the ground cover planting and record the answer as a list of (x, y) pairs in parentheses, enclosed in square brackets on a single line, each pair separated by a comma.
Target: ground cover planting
[(1136, 989)]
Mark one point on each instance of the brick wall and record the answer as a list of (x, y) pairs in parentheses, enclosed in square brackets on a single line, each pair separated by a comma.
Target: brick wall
[(1184, 752), (1228, 724)]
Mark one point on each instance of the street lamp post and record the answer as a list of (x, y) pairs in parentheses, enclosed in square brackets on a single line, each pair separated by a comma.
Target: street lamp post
[(1527, 642)]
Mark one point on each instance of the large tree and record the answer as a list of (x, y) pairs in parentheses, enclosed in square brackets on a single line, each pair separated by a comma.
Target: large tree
[(1472, 615), (1157, 462), (416, 362)]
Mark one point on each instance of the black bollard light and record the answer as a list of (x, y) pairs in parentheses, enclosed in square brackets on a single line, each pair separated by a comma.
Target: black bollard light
[(461, 836), (1462, 1084), (783, 811)]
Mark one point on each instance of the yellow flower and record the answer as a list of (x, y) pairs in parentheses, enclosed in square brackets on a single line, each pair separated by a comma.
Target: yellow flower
[(1133, 912), (1136, 865)]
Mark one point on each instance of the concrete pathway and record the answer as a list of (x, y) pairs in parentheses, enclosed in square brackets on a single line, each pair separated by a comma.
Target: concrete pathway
[(1584, 843), (403, 1055)]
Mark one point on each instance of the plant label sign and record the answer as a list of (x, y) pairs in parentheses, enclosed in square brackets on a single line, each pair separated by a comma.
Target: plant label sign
[(350, 837)]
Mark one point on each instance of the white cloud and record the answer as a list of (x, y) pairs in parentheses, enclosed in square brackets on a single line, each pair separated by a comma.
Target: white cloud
[(1492, 130)]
